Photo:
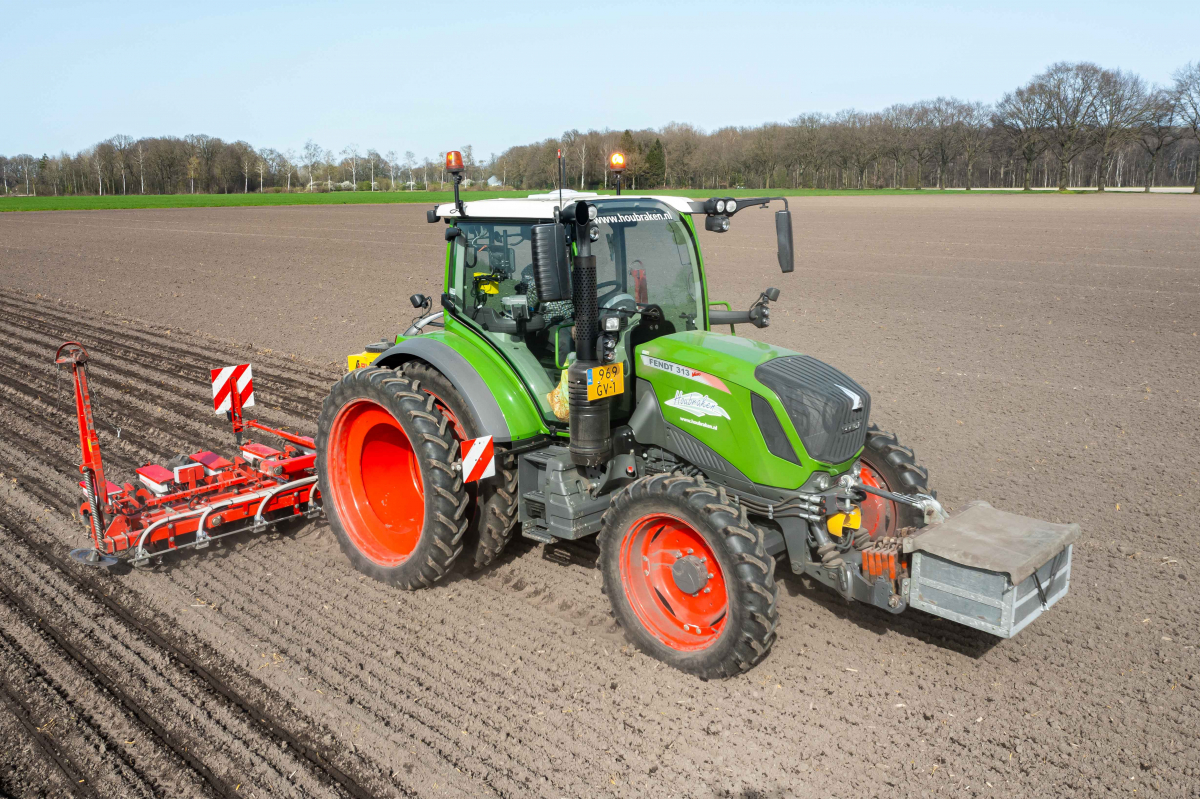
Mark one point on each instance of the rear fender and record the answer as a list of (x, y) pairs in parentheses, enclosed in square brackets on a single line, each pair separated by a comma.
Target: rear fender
[(496, 399)]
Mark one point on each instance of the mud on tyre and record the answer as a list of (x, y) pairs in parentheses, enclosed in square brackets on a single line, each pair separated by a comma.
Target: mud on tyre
[(385, 456), (665, 540), (888, 464)]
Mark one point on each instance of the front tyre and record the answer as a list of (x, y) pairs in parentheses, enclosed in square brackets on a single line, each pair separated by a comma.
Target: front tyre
[(888, 464), (689, 576), (385, 458)]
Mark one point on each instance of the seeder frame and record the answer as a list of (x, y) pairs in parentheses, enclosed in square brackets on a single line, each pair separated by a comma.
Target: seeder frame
[(192, 505)]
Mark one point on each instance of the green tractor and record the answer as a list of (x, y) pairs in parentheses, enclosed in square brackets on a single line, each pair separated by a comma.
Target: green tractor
[(573, 385)]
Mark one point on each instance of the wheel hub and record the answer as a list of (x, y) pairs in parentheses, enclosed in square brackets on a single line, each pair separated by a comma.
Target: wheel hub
[(690, 574)]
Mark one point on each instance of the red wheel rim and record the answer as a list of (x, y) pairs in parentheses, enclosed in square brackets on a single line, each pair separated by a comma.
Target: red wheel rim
[(682, 621), (879, 515), (375, 483)]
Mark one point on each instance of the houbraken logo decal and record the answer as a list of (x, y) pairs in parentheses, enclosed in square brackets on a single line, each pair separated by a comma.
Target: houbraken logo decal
[(697, 404)]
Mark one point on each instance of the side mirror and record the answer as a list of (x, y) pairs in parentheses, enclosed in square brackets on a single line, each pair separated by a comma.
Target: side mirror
[(783, 232), (419, 301), (453, 233), (551, 269)]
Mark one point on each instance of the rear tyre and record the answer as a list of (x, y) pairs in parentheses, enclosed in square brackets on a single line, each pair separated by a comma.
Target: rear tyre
[(494, 506), (889, 465), (385, 457), (689, 576)]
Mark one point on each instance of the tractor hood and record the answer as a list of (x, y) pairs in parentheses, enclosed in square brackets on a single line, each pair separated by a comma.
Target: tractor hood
[(718, 387)]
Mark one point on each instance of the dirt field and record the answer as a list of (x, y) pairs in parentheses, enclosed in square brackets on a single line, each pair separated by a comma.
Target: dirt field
[(1038, 352)]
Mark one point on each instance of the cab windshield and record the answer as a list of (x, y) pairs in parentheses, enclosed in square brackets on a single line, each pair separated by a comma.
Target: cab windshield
[(646, 252)]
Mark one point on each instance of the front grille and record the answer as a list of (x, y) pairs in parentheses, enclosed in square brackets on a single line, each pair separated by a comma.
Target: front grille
[(820, 401)]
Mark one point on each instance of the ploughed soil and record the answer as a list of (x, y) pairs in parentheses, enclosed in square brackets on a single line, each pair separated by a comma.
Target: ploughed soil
[(1040, 353)]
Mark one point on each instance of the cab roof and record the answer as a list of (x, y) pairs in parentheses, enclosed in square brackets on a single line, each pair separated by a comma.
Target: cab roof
[(541, 206)]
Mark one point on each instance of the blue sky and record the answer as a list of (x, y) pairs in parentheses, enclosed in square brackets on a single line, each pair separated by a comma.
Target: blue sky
[(433, 76)]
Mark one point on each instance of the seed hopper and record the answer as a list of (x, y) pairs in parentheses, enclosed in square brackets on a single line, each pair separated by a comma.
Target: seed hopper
[(194, 499)]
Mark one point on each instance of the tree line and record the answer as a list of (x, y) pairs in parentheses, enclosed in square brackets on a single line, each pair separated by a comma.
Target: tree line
[(1074, 124)]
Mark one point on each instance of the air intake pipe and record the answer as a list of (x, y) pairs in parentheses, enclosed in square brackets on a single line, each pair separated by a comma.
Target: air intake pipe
[(591, 434)]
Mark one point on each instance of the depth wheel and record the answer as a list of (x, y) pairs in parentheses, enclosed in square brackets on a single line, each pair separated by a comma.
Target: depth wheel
[(494, 499), (385, 457), (889, 465), (689, 576)]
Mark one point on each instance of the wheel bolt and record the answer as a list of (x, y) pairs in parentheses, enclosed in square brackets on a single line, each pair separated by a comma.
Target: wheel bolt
[(708, 590)]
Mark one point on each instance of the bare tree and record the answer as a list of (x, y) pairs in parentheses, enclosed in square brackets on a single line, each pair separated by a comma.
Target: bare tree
[(945, 114), (25, 163), (286, 161), (1121, 107), (973, 133), (1072, 91), (921, 141), (122, 145), (898, 127), (351, 152), (410, 161), (391, 162), (1022, 117), (141, 159), (1160, 129), (1187, 97), (373, 157), (312, 157)]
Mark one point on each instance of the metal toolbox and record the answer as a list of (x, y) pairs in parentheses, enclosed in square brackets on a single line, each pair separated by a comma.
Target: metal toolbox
[(990, 570)]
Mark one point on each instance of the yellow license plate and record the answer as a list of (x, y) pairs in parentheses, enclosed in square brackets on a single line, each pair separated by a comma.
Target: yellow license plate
[(605, 381)]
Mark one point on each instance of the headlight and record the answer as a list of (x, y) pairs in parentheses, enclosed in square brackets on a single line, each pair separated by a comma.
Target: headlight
[(612, 324), (720, 206), (730, 205), (591, 211)]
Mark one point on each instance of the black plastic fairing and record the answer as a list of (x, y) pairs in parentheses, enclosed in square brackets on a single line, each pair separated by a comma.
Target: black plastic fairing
[(772, 430), (829, 410)]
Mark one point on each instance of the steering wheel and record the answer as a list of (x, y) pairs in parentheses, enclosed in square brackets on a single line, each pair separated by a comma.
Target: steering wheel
[(610, 285)]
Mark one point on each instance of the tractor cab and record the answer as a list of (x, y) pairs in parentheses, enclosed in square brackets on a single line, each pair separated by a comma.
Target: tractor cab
[(649, 282)]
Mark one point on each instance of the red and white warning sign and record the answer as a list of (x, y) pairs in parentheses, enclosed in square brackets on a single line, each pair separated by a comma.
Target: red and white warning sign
[(479, 459), (224, 379)]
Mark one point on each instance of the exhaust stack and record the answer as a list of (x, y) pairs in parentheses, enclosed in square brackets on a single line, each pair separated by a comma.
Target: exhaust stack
[(591, 435)]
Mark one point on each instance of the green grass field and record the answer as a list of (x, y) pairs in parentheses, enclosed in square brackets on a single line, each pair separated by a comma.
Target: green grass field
[(115, 201)]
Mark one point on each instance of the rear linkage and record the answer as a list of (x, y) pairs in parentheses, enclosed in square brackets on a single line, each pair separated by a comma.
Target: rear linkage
[(198, 498)]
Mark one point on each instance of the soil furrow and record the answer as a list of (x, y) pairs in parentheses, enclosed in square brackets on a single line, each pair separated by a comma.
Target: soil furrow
[(112, 686), (167, 390), (253, 714), (76, 784), (144, 337), (101, 728)]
